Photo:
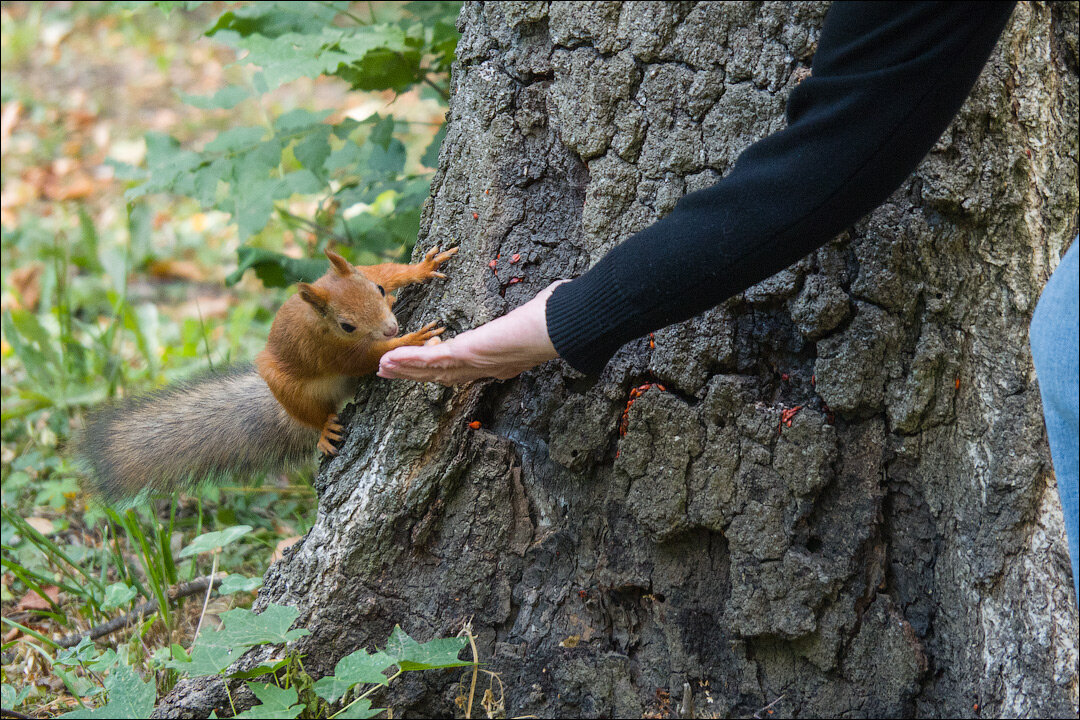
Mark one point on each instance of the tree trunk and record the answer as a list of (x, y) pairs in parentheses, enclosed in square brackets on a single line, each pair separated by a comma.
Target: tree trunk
[(895, 548)]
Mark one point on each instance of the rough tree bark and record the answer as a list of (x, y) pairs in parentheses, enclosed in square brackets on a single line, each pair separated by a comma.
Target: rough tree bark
[(897, 550)]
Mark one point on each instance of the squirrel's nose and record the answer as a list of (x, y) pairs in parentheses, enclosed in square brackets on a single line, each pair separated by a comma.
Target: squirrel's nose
[(390, 329)]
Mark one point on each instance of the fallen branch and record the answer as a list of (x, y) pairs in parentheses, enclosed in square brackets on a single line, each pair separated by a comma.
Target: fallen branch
[(194, 587), (5, 713)]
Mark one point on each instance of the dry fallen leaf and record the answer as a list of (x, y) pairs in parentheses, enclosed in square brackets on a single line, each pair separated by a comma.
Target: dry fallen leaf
[(205, 307), (176, 270), (9, 118), (25, 282), (79, 185), (42, 525), (32, 601)]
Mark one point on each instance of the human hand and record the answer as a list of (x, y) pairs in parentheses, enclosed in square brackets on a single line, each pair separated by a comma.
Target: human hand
[(502, 348)]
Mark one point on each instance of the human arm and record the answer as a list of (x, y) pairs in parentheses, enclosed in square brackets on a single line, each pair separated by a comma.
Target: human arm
[(887, 79)]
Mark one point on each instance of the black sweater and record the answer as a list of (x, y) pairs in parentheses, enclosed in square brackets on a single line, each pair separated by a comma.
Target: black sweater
[(887, 79)]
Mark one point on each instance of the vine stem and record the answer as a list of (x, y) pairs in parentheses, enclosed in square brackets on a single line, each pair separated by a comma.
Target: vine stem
[(206, 600), (367, 692), (475, 667)]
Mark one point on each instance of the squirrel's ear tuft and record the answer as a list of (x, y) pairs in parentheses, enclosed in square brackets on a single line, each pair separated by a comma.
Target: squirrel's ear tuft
[(313, 296), (341, 265)]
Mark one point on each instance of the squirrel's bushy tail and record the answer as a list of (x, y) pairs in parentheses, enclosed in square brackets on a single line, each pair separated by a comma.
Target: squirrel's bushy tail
[(215, 426)]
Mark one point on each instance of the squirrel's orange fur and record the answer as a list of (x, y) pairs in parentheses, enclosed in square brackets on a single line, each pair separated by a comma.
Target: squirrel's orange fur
[(328, 333), (336, 328)]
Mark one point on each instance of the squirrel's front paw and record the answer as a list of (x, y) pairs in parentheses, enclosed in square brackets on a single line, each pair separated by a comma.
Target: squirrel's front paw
[(331, 433), (433, 259), (424, 334)]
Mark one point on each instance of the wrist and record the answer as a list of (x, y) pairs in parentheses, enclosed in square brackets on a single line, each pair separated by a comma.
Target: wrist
[(544, 347)]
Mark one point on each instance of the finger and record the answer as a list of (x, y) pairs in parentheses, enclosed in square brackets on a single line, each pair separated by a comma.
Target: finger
[(419, 373), (438, 274), (430, 254), (412, 357), (433, 340)]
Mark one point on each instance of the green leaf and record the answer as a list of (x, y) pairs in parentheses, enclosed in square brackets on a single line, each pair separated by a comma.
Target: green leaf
[(275, 269), (118, 595), (74, 656), (104, 661), (234, 139), (411, 655), (301, 182), (13, 698), (259, 162), (293, 55), (266, 667), (273, 19), (381, 57), (358, 667), (214, 651), (214, 540), (313, 149), (270, 626), (430, 157), (223, 99), (360, 709), (254, 206), (238, 583), (276, 703), (299, 119), (345, 128), (432, 11), (385, 69), (383, 132), (208, 178), (21, 326), (128, 697), (168, 165)]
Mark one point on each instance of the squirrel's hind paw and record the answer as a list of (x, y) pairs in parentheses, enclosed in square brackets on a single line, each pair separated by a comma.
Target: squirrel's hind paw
[(330, 435)]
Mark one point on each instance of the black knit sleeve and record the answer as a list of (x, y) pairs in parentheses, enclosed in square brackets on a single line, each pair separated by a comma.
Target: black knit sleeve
[(887, 79)]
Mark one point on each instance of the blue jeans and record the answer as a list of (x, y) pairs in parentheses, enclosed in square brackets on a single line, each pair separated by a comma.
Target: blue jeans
[(1055, 348)]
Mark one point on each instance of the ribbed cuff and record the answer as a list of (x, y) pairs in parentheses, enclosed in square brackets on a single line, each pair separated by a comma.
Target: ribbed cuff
[(584, 317)]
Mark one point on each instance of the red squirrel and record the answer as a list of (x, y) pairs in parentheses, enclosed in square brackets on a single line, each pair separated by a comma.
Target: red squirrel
[(269, 416)]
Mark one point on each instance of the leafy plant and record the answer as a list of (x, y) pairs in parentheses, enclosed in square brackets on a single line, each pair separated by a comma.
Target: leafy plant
[(284, 690), (368, 197)]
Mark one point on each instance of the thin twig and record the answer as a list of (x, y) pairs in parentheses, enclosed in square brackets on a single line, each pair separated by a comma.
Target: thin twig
[(767, 707), (438, 88), (150, 606), (355, 18), (319, 229)]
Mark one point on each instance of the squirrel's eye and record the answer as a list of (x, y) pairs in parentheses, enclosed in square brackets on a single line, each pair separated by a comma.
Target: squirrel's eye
[(347, 327), (382, 290)]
